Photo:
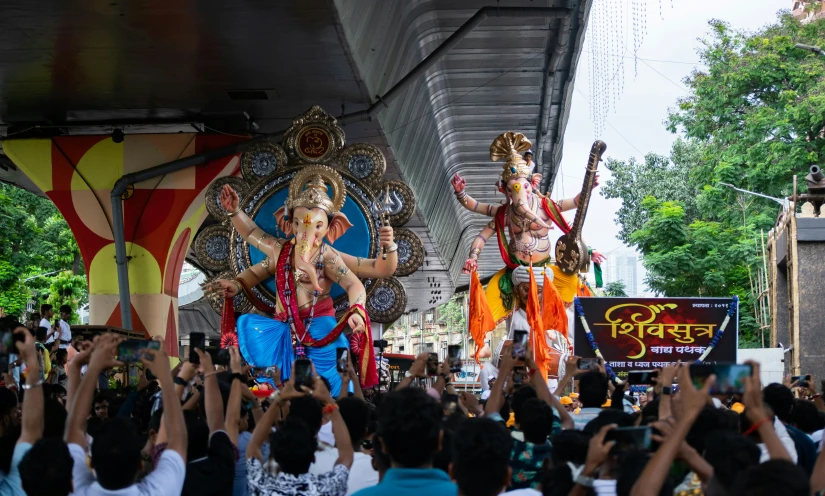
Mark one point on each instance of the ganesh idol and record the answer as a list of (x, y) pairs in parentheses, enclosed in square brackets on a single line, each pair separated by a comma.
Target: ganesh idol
[(527, 216), (305, 266)]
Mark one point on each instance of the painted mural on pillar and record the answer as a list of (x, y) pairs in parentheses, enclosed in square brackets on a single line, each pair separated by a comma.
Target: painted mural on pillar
[(161, 215)]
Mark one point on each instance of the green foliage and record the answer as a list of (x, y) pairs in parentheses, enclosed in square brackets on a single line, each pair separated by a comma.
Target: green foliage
[(615, 288), (665, 178), (452, 314), (38, 254), (755, 118)]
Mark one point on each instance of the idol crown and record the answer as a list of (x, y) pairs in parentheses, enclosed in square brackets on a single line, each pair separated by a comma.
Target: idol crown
[(510, 146), (309, 189)]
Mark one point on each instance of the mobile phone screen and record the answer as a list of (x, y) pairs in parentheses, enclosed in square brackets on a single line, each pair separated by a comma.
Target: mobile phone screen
[(342, 360), (196, 340), (220, 356), (629, 438), (432, 365), (449, 402), (303, 373), (129, 351), (6, 347), (729, 376), (642, 376), (520, 344), (588, 363), (454, 357), (519, 374)]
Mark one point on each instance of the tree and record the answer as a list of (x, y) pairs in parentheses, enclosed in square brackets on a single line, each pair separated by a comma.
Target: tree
[(39, 256), (755, 117), (615, 288), (667, 179)]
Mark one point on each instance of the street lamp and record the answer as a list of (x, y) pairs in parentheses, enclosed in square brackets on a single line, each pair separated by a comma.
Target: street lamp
[(782, 201), (810, 48)]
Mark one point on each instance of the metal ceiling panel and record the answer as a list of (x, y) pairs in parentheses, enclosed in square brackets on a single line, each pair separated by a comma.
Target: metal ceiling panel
[(507, 74)]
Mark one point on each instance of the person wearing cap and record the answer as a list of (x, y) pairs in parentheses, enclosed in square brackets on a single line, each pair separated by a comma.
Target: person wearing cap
[(567, 402), (738, 407), (528, 157), (560, 345)]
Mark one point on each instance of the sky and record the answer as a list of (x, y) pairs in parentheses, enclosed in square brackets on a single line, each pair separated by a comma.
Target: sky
[(635, 126)]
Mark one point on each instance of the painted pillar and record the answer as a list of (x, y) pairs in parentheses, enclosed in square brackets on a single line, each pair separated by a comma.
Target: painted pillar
[(161, 215)]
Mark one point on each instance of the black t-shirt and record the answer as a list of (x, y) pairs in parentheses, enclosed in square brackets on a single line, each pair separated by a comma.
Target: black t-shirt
[(213, 474)]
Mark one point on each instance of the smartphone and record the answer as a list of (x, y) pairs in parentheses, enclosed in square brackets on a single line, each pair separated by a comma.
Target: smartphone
[(196, 340), (449, 402), (6, 347), (642, 376), (341, 359), (520, 344), (432, 365), (519, 374), (454, 357), (303, 373), (220, 356), (729, 376), (629, 439), (130, 351), (588, 364)]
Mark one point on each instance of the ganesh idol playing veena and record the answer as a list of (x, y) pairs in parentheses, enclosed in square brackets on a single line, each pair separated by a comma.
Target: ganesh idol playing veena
[(305, 266), (523, 226)]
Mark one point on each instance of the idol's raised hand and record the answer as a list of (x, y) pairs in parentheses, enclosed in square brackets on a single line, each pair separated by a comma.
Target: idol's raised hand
[(229, 199)]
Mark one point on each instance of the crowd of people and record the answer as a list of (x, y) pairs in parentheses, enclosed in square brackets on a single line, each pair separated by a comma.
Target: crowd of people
[(198, 429)]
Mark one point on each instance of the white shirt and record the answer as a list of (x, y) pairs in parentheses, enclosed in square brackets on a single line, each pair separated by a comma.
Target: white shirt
[(325, 435), (65, 334), (523, 492), (786, 440), (361, 474), (166, 479), (605, 487), (584, 416), (48, 325)]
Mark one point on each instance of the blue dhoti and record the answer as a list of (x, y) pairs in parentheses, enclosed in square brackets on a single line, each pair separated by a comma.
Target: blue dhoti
[(265, 341)]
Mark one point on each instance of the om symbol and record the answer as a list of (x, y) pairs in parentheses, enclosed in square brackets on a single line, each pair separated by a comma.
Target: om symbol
[(313, 143)]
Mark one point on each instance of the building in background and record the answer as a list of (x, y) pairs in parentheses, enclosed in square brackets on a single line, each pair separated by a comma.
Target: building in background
[(807, 10), (623, 265)]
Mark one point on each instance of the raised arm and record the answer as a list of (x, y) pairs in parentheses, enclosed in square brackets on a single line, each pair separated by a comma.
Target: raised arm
[(245, 226), (467, 201), (228, 288), (213, 401), (505, 366), (478, 244), (101, 360), (376, 267), (543, 392), (336, 270), (233, 405), (32, 415), (158, 362), (339, 429)]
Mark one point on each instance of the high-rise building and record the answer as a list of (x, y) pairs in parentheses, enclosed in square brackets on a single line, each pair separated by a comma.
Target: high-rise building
[(622, 265), (808, 10)]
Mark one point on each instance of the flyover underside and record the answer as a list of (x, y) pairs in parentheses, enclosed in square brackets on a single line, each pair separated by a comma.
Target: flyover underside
[(507, 74), (79, 68)]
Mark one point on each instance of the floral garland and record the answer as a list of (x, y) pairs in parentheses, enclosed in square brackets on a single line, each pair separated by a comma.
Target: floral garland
[(732, 307)]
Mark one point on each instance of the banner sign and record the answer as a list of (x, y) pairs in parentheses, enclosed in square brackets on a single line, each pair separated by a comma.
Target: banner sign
[(648, 333)]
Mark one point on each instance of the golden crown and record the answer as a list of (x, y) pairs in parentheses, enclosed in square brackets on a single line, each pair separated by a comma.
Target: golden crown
[(309, 189), (510, 146)]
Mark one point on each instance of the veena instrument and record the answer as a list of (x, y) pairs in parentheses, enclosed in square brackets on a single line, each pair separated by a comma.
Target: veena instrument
[(571, 251)]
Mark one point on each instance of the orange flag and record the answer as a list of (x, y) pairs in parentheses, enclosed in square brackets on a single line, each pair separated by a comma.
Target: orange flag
[(541, 350), (552, 309), (481, 318)]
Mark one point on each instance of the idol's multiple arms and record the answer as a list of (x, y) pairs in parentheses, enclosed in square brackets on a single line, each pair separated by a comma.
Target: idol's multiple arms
[(336, 270)]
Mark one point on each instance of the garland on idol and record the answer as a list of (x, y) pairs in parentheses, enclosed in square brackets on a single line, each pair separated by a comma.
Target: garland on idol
[(734, 304)]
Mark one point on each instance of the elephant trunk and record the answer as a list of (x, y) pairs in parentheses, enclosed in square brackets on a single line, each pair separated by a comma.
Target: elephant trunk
[(303, 252)]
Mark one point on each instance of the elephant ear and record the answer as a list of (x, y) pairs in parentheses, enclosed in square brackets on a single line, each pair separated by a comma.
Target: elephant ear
[(338, 226), (535, 180), (283, 223)]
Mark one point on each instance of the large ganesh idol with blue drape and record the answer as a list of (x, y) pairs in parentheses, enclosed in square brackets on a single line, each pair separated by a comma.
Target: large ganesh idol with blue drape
[(306, 251)]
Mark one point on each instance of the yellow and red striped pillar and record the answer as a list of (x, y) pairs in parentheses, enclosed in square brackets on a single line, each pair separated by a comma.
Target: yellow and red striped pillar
[(161, 215)]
